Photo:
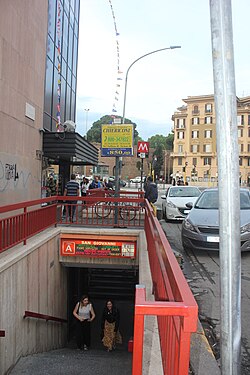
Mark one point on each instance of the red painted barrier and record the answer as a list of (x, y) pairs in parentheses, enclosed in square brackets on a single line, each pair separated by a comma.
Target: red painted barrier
[(99, 209), (31, 314), (175, 306), (130, 345)]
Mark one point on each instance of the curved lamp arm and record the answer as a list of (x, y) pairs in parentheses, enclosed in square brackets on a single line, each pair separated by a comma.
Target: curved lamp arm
[(130, 66)]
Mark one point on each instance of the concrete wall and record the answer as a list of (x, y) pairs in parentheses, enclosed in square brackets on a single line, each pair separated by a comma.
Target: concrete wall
[(23, 37), (31, 278)]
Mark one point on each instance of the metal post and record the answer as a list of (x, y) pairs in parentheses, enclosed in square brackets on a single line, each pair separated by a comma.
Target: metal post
[(228, 173), (141, 173)]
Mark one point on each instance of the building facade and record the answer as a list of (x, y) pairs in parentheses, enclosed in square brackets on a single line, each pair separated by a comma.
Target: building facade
[(194, 155), (38, 65), (61, 63)]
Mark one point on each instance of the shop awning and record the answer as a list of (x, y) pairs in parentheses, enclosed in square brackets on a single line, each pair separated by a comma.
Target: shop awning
[(69, 146)]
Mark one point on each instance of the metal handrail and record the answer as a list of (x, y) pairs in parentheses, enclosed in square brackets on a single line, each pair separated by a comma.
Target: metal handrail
[(31, 314), (174, 306), (24, 220)]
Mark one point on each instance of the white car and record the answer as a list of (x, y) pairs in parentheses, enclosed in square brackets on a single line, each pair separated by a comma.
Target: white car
[(136, 180), (174, 202)]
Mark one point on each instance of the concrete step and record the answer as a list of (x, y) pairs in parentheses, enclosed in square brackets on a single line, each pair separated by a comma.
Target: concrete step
[(69, 361)]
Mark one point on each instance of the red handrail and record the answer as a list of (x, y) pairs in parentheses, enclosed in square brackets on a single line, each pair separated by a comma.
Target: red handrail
[(2, 333), (32, 217), (31, 314), (175, 306)]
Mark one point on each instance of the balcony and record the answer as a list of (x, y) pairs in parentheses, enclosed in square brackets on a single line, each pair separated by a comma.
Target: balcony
[(180, 126)]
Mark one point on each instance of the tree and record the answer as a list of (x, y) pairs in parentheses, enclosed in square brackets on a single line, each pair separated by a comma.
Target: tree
[(94, 133), (158, 139), (160, 143), (170, 141), (158, 159)]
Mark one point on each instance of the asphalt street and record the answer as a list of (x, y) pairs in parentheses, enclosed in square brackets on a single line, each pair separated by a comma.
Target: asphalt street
[(201, 270)]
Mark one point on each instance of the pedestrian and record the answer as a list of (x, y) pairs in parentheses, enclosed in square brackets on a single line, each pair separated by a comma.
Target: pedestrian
[(95, 184), (110, 333), (84, 313), (151, 192), (84, 188), (181, 181), (51, 186), (108, 184), (71, 190), (145, 183)]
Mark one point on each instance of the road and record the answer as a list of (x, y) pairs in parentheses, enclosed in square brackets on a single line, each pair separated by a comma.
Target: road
[(201, 270)]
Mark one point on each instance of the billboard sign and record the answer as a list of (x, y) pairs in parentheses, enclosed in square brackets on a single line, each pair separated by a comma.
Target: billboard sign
[(98, 248), (117, 140)]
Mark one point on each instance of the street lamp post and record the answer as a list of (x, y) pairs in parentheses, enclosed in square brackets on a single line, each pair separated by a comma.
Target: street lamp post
[(117, 164)]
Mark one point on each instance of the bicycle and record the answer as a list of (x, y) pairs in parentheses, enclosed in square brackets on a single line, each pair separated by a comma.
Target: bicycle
[(126, 211)]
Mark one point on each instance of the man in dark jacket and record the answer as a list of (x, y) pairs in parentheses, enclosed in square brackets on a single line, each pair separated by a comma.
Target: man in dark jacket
[(151, 192), (72, 189)]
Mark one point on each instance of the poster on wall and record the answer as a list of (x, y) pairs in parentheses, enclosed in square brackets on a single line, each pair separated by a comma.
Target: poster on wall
[(97, 248)]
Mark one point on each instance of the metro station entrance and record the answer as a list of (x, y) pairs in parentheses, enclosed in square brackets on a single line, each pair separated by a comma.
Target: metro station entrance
[(100, 284)]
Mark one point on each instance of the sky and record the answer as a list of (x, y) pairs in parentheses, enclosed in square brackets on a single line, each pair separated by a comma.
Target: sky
[(114, 33)]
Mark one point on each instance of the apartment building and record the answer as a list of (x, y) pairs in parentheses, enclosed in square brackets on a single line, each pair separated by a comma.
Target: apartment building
[(194, 155)]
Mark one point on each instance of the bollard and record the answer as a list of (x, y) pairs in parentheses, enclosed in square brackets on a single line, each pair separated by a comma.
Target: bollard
[(130, 345)]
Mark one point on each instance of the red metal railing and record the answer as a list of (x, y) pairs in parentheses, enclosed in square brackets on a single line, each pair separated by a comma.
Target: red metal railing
[(175, 306), (28, 218), (24, 220), (31, 314), (103, 210), (2, 333)]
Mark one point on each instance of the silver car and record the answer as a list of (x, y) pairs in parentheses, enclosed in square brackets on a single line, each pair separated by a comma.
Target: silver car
[(200, 230), (174, 202)]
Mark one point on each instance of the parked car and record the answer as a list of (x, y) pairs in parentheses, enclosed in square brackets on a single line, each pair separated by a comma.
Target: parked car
[(200, 230), (175, 200), (112, 180), (136, 180)]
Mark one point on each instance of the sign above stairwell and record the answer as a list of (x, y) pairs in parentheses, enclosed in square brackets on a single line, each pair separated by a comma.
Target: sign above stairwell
[(97, 248)]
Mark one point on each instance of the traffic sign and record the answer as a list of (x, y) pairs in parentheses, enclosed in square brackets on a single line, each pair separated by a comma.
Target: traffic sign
[(142, 148)]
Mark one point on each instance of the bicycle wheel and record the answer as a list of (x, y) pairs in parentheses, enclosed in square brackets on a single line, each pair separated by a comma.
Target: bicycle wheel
[(102, 209), (127, 212)]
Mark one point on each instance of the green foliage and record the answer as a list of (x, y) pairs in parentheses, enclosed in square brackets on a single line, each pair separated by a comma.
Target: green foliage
[(170, 141), (158, 139), (138, 165), (94, 133), (157, 164)]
